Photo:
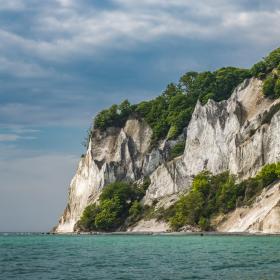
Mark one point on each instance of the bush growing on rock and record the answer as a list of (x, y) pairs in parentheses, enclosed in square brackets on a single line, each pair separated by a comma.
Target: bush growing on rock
[(269, 86), (267, 64), (117, 202), (135, 210), (177, 150), (87, 221), (214, 194), (268, 70), (277, 88), (110, 215)]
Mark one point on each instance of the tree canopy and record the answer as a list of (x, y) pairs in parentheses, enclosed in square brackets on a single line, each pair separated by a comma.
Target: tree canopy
[(117, 202), (268, 69), (170, 113)]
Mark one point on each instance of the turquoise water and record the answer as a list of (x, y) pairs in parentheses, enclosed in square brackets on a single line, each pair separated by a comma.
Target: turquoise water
[(139, 257)]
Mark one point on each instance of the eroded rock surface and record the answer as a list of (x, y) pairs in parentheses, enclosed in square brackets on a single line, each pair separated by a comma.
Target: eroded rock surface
[(113, 155), (240, 134)]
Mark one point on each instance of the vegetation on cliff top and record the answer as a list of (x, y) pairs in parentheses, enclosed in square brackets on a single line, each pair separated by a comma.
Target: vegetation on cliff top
[(170, 112), (268, 70)]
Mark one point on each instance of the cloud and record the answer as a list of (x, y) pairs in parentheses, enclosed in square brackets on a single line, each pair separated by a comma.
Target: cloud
[(81, 29), (70, 59), (22, 69), (62, 61)]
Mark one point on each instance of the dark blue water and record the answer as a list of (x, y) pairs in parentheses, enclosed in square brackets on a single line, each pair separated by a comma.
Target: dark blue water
[(139, 257)]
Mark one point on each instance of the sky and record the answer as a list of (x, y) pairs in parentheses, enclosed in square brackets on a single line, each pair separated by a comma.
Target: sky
[(62, 61)]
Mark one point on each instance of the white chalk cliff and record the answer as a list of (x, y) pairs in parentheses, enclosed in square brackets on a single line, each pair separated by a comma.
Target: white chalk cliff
[(115, 154), (240, 134)]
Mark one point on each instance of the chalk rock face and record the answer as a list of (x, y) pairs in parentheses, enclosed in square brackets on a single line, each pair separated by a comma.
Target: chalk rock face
[(149, 226), (113, 155), (240, 134)]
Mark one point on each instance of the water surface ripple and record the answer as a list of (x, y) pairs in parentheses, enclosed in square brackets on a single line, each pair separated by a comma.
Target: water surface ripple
[(108, 257)]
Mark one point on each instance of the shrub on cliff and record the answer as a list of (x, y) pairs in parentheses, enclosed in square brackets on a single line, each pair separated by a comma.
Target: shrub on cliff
[(214, 194), (110, 215), (115, 116), (267, 64), (117, 201), (268, 70), (269, 174), (177, 150), (209, 194), (277, 88), (87, 221), (135, 210), (269, 86)]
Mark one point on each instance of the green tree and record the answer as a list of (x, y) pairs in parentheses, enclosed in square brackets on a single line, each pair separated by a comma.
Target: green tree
[(269, 86), (259, 69), (125, 192), (116, 202), (273, 59), (214, 194), (269, 174), (204, 223), (277, 88), (110, 214), (135, 210), (267, 64), (87, 221), (187, 210)]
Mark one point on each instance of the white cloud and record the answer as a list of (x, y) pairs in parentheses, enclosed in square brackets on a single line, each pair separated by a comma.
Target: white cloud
[(61, 33)]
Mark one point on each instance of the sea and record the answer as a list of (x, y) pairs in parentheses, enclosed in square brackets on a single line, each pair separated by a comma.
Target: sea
[(80, 257)]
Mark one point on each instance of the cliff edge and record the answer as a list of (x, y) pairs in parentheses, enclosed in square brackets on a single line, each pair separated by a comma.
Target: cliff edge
[(239, 135)]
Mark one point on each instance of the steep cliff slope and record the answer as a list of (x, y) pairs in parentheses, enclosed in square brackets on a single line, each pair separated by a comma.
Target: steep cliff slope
[(113, 155), (240, 134)]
